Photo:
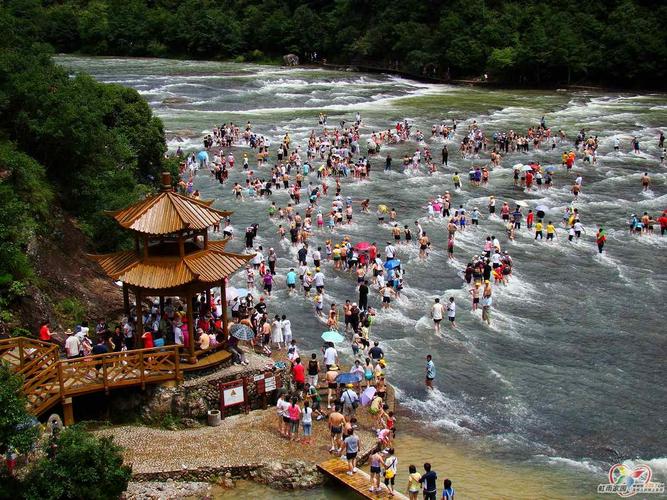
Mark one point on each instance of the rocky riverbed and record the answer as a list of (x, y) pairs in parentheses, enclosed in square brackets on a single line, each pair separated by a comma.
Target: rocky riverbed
[(167, 490)]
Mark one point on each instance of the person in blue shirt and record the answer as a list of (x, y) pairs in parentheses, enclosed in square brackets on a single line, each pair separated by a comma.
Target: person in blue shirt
[(291, 280), (429, 480), (447, 491)]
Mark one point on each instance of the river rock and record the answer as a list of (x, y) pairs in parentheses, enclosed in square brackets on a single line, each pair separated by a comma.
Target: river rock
[(174, 100)]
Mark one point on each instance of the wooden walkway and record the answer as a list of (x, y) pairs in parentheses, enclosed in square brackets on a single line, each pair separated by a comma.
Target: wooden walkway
[(208, 361), (47, 379), (360, 481)]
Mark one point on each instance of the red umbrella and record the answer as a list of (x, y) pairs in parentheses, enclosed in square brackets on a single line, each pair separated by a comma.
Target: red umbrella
[(362, 246)]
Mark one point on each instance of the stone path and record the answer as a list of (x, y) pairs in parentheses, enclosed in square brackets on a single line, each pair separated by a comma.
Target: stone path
[(239, 440)]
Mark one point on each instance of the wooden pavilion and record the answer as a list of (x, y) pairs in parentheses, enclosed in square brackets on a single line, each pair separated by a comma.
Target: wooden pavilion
[(172, 256)]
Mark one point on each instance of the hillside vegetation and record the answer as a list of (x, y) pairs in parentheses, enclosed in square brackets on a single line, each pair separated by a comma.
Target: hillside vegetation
[(616, 42)]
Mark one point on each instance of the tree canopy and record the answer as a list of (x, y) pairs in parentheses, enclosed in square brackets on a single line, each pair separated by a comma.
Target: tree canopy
[(64, 139), (619, 42)]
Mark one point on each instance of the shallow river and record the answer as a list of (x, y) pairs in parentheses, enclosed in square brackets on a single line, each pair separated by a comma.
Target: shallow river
[(570, 377)]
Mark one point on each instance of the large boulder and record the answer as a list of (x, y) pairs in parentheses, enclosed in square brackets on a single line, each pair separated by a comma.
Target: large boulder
[(291, 60)]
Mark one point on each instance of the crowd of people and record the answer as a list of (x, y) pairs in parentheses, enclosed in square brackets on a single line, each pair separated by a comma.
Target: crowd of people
[(328, 156)]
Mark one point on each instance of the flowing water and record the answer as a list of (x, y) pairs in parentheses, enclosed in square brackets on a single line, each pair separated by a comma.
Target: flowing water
[(570, 377)]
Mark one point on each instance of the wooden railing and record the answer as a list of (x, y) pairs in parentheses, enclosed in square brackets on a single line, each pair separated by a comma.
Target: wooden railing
[(48, 379)]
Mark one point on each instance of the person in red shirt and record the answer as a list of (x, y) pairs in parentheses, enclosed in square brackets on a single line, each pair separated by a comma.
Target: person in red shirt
[(299, 373), (372, 252), (530, 218), (148, 340), (44, 332), (663, 223)]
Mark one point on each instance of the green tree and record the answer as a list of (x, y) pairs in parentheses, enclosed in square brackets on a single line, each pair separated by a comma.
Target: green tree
[(84, 467), (501, 63), (17, 429)]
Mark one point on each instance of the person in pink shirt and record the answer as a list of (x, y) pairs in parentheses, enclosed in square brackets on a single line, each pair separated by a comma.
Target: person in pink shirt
[(294, 413)]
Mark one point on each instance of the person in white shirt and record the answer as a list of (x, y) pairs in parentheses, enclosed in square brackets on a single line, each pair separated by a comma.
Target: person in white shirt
[(437, 313), (72, 345), (390, 251), (330, 356), (319, 280), (451, 312), (258, 258), (578, 228), (287, 330), (317, 256), (178, 333), (228, 231), (420, 230)]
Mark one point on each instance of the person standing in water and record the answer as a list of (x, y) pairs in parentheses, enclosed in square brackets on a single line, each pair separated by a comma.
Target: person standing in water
[(646, 181), (437, 313), (600, 239), (445, 155), (451, 312), (430, 372)]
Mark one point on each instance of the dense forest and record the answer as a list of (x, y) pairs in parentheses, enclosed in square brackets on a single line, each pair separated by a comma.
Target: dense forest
[(70, 148), (614, 42)]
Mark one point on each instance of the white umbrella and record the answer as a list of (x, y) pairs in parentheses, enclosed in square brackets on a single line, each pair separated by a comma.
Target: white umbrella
[(518, 166), (231, 293)]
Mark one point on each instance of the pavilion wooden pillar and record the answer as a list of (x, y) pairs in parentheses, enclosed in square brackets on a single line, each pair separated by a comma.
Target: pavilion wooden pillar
[(191, 327), (223, 303), (139, 325), (126, 301), (161, 305), (68, 411)]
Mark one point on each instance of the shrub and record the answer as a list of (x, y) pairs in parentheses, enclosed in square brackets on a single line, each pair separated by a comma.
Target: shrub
[(84, 467), (70, 311), (17, 429)]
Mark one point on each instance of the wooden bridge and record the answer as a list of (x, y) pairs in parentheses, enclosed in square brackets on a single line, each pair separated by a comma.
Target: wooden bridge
[(49, 380), (360, 481)]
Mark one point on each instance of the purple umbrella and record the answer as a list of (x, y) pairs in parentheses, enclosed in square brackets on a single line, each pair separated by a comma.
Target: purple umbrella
[(367, 396)]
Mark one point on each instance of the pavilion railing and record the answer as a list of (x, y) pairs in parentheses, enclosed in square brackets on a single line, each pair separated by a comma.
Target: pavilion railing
[(48, 379)]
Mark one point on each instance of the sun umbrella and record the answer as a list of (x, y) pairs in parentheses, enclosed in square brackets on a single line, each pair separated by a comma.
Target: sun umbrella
[(551, 168), (518, 166), (362, 246), (383, 208), (367, 396), (231, 293), (348, 378), (541, 208), (332, 336), (392, 264), (241, 332), (526, 168), (202, 156)]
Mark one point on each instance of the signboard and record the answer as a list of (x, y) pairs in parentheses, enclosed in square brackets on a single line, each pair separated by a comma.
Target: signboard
[(233, 396), (258, 377), (233, 393), (270, 384)]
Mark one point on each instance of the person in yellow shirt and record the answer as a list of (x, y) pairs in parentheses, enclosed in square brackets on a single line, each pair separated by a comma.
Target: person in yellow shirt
[(538, 230), (551, 231)]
